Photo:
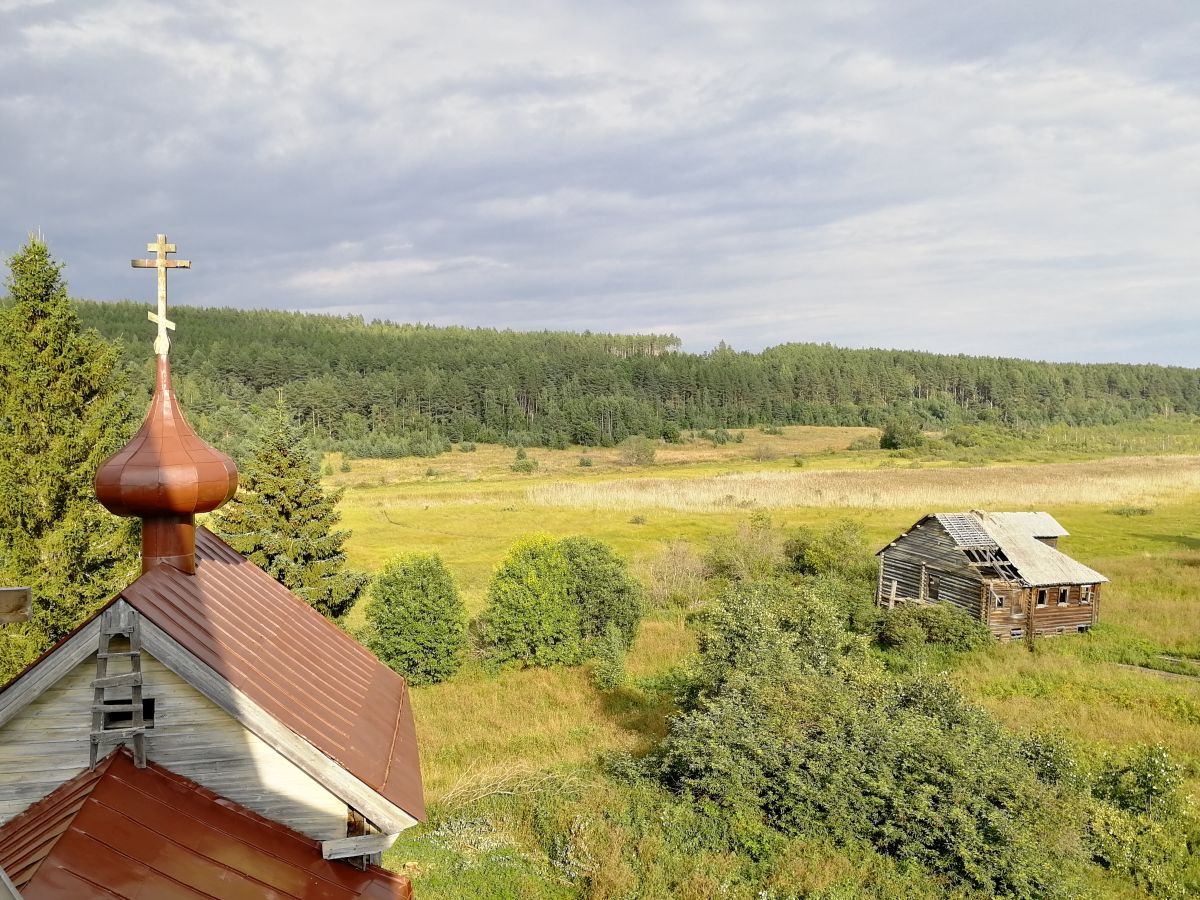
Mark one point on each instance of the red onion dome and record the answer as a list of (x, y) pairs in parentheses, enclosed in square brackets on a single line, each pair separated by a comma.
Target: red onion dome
[(166, 469)]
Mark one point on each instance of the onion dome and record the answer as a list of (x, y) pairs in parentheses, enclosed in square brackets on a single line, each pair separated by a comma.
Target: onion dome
[(166, 474)]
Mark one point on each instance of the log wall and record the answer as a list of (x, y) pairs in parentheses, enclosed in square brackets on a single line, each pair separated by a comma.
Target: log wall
[(927, 550)]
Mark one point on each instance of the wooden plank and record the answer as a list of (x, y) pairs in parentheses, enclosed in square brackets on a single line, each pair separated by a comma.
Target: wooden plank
[(129, 679), (381, 812), (116, 734), (37, 680), (8, 890), (363, 845)]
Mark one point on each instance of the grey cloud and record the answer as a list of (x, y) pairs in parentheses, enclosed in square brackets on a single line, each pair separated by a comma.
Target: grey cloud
[(980, 178)]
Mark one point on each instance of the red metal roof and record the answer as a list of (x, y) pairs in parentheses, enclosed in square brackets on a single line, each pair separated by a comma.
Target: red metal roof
[(120, 831), (292, 661)]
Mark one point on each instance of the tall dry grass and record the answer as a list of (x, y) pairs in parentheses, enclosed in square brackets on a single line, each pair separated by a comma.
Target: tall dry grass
[(1126, 480)]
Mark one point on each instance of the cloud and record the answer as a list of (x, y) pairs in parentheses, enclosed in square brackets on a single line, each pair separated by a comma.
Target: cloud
[(1002, 178)]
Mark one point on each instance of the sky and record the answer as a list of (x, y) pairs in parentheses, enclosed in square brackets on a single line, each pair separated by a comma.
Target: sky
[(1009, 178)]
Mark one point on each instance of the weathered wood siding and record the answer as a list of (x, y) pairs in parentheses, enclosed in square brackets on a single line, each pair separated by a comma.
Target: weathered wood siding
[(1022, 612), (47, 743), (928, 550)]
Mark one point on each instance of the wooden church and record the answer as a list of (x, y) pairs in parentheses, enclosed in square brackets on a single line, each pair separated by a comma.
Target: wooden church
[(206, 733)]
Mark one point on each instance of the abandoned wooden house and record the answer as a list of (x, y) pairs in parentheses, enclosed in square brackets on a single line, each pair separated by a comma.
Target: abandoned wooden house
[(1005, 569), (206, 733)]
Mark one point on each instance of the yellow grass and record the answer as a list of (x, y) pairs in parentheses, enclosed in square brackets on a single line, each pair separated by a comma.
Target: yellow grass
[(1124, 480)]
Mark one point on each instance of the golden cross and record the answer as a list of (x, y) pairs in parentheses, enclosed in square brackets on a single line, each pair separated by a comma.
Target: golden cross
[(161, 343)]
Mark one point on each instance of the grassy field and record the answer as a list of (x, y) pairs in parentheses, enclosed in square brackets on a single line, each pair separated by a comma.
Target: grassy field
[(1137, 519)]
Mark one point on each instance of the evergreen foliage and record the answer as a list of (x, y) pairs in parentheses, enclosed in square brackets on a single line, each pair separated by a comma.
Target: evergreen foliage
[(385, 390), (416, 621), (610, 659), (283, 521), (531, 619), (63, 409)]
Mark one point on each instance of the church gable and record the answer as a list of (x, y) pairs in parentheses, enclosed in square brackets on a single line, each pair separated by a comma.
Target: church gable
[(48, 741)]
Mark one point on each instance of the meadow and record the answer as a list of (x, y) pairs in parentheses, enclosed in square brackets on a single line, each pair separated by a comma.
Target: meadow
[(1133, 516)]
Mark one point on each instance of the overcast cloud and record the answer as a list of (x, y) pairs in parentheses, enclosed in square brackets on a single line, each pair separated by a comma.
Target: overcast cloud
[(1010, 178)]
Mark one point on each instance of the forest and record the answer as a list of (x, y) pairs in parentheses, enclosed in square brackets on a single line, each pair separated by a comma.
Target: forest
[(378, 389)]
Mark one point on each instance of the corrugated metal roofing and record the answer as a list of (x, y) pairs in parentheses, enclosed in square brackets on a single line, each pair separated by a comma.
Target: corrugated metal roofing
[(120, 831), (292, 661)]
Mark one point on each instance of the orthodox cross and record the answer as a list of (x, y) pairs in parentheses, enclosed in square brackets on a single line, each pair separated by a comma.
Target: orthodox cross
[(161, 248)]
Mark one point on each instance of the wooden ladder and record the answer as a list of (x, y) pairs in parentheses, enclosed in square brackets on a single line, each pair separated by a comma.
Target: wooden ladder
[(119, 621)]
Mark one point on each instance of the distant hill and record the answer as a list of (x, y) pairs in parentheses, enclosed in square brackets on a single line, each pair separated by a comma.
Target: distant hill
[(384, 389)]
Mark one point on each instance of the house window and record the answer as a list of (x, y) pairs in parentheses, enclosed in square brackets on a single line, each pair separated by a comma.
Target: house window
[(1062, 596), (1043, 595), (935, 583), (998, 599), (123, 718), (1085, 594)]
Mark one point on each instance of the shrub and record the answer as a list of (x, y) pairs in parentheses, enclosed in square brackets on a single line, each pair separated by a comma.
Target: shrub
[(908, 626), (676, 576), (791, 727), (585, 462), (327, 469), (1148, 852), (838, 549), (525, 466), (602, 589), (901, 434), (531, 619), (1143, 780), (416, 622), (610, 659), (637, 451), (866, 442), (466, 447), (345, 465), (764, 453), (521, 452), (754, 550)]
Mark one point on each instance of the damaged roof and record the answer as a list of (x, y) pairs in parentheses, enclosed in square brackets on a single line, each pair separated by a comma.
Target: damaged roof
[(1016, 535), (120, 831), (298, 666)]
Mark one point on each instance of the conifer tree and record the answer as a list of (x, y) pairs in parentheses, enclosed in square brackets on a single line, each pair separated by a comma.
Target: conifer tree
[(64, 408), (283, 521)]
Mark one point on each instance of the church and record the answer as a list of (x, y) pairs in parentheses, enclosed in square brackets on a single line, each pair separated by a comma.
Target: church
[(206, 733)]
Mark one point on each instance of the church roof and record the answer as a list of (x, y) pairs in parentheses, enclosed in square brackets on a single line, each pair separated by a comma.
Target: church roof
[(120, 831), (299, 667)]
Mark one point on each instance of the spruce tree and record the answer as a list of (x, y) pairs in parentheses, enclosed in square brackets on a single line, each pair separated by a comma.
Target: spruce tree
[(283, 521), (64, 408)]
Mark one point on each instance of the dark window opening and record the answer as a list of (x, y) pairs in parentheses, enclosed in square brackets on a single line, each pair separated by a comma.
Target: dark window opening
[(1062, 596), (999, 601), (935, 583), (1042, 596), (1085, 594), (124, 718)]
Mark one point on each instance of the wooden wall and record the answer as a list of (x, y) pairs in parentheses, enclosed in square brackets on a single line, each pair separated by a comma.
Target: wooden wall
[(1021, 610), (930, 549), (47, 743)]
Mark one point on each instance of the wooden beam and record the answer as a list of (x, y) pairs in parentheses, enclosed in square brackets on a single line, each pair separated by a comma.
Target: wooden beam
[(46, 674), (381, 812), (363, 845), (8, 890)]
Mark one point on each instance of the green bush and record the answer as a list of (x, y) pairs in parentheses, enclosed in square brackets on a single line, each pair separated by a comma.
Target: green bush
[(792, 727), (524, 466), (901, 434), (327, 469), (585, 462), (866, 442), (610, 659), (838, 549), (1143, 780), (466, 447), (345, 464), (1150, 853), (602, 589), (416, 622), (909, 626), (532, 619), (754, 550)]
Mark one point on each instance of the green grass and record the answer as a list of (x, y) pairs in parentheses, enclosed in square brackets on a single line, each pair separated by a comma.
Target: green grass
[(514, 728)]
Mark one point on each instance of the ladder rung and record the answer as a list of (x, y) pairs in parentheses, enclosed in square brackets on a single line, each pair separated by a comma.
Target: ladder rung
[(118, 707), (111, 653), (111, 681), (115, 630), (116, 734)]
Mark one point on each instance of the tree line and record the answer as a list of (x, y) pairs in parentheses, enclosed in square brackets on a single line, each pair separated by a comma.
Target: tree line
[(383, 390)]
